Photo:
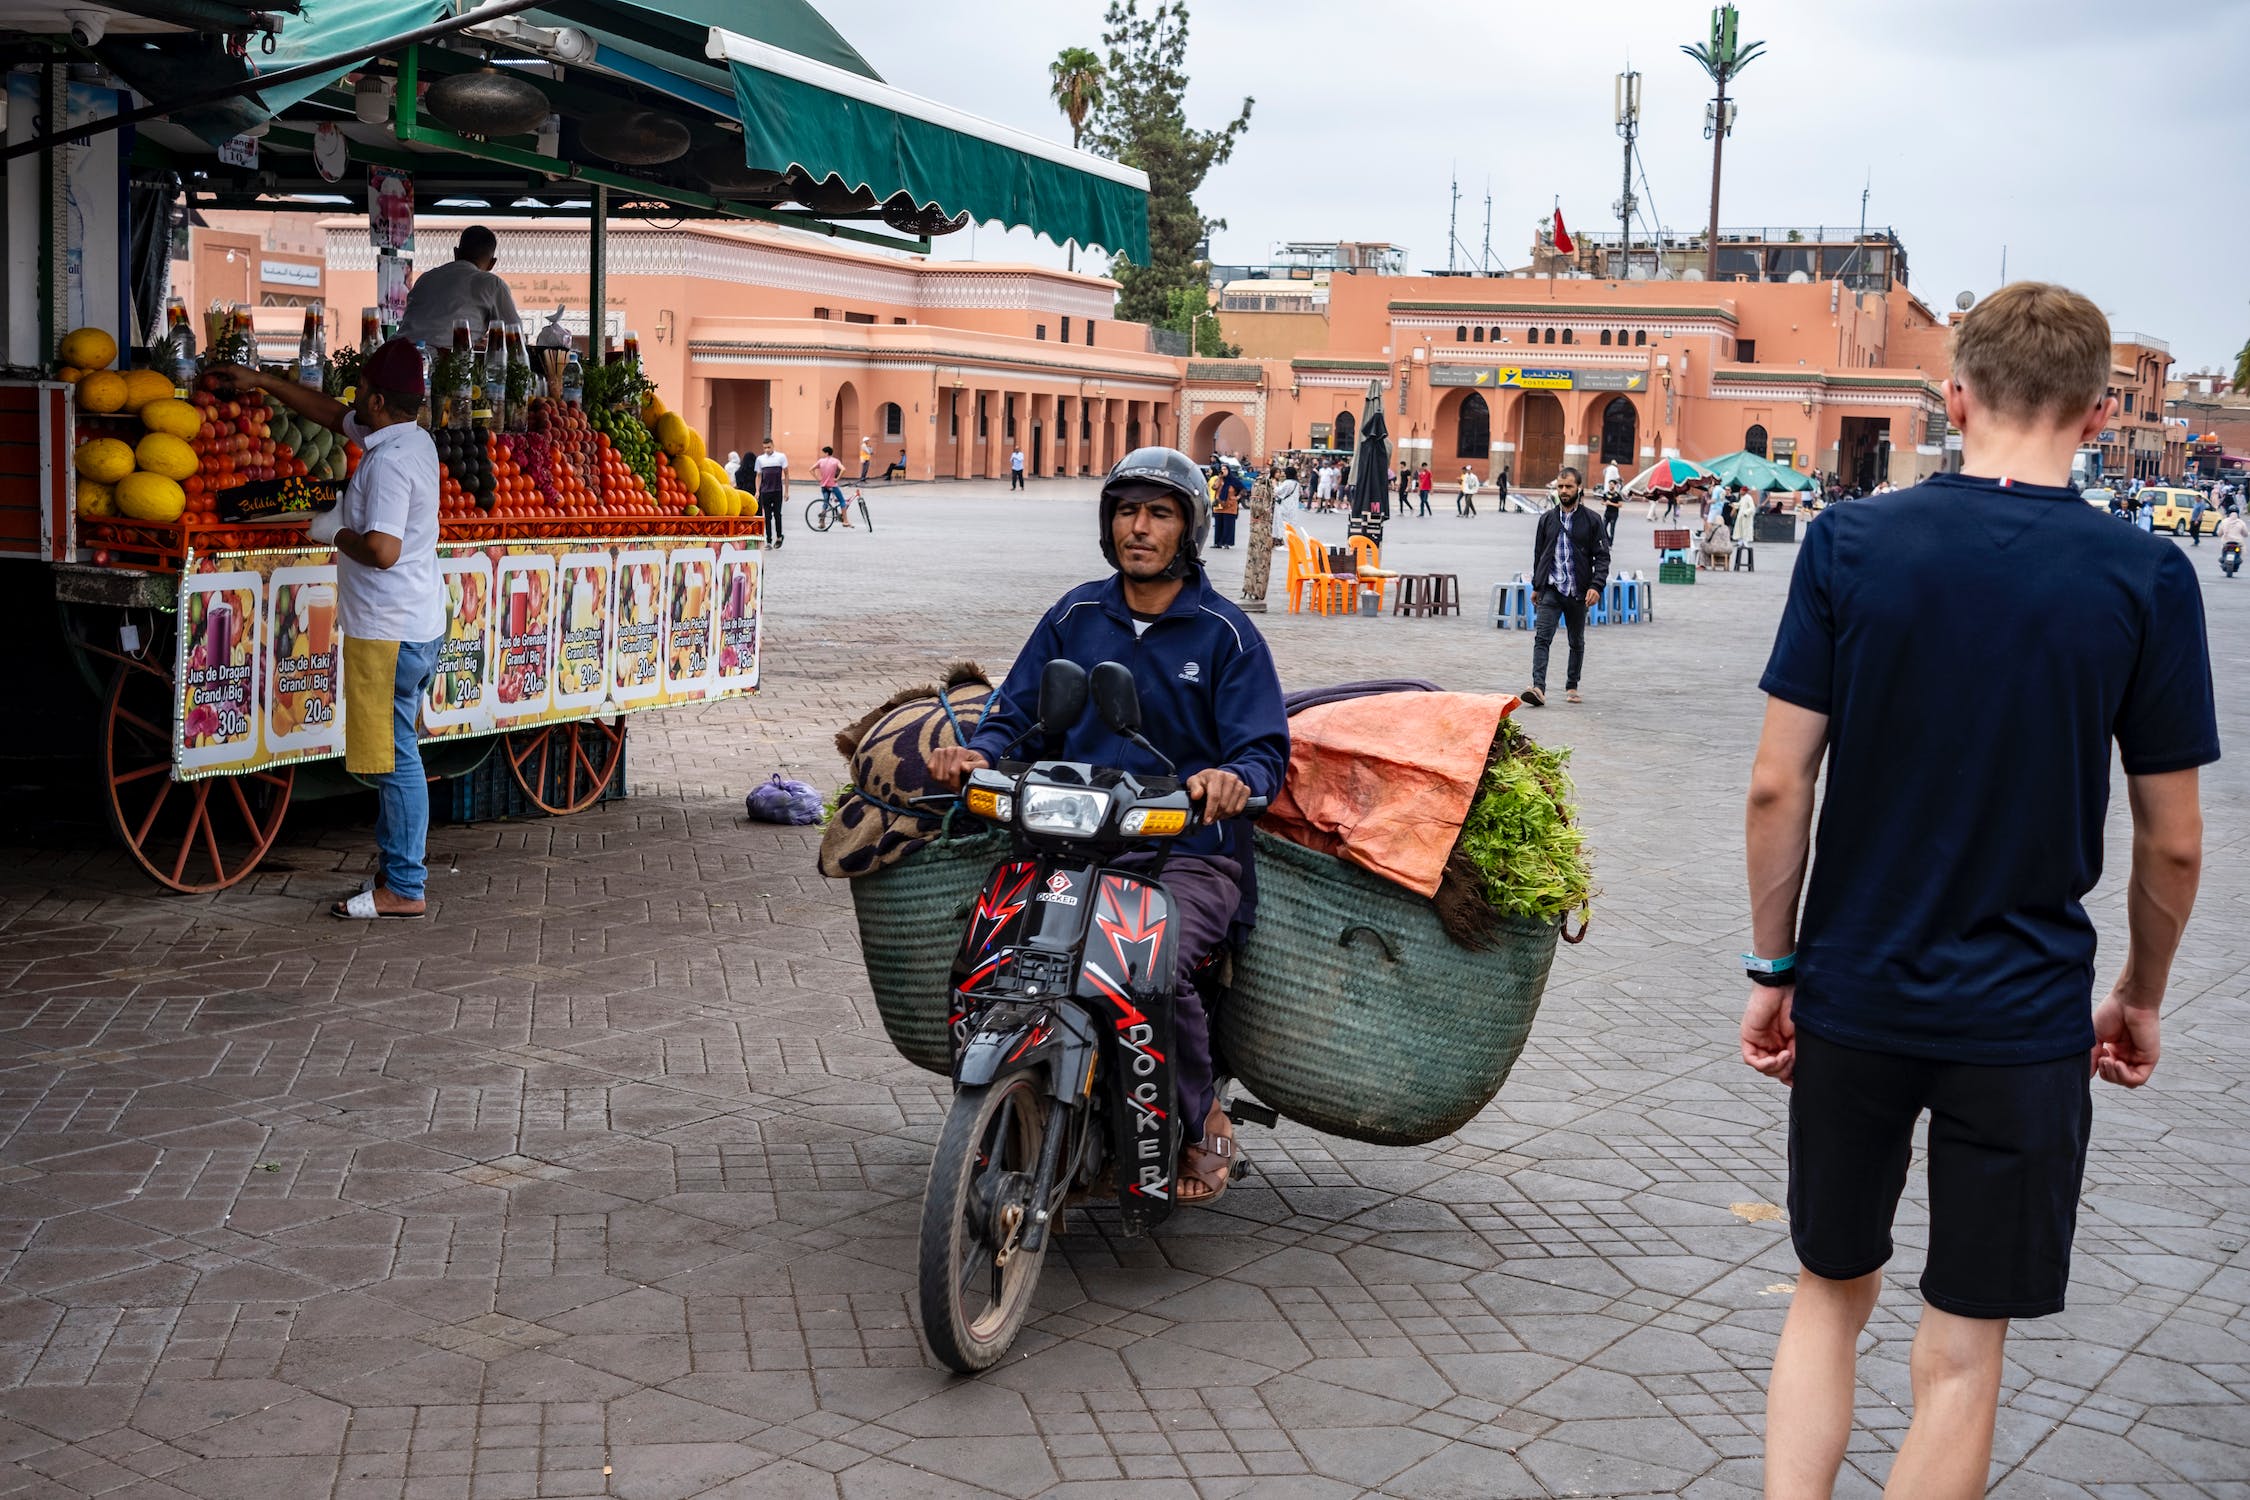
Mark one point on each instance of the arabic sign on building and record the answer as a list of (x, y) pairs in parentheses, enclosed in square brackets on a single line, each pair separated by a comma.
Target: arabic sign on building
[(1523, 377)]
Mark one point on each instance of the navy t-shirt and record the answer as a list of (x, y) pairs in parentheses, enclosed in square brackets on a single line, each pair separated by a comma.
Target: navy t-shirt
[(1976, 646)]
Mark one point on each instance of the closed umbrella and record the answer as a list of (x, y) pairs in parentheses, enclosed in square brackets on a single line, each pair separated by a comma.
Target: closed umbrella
[(1371, 490)]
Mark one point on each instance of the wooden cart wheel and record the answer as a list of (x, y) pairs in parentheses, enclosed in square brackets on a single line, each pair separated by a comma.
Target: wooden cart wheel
[(189, 836), (564, 768)]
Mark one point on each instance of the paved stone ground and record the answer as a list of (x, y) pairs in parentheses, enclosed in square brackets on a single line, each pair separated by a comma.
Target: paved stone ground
[(604, 1181)]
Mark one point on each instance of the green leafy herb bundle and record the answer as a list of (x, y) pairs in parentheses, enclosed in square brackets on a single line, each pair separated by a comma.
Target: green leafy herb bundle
[(1521, 853)]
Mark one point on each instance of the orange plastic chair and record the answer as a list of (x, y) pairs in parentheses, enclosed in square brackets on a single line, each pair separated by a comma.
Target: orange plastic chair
[(1332, 592), (1296, 577), (1373, 576)]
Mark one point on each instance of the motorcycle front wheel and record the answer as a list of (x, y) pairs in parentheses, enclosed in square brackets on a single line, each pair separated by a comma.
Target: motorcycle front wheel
[(976, 1278)]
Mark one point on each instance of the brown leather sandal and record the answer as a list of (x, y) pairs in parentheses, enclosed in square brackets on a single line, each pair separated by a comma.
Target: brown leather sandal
[(1211, 1163)]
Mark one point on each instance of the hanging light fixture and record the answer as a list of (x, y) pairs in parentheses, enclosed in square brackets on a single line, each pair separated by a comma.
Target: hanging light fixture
[(371, 98)]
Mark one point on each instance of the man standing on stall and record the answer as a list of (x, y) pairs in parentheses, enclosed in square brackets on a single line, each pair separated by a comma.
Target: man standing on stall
[(390, 603)]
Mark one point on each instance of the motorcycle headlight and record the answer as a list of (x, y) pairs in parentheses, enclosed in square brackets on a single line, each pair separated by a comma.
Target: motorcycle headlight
[(1064, 812)]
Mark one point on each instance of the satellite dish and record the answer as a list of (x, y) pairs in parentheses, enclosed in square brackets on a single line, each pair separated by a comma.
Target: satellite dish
[(1965, 301), (1692, 273), (1799, 278)]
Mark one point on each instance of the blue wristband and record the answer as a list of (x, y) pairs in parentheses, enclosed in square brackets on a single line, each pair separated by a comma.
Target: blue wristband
[(1752, 964)]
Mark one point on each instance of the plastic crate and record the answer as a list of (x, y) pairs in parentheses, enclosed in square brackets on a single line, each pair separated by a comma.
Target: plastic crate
[(490, 793), (1675, 572)]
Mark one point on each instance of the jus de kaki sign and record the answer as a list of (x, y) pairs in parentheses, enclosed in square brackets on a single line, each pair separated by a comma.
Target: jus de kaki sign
[(535, 633)]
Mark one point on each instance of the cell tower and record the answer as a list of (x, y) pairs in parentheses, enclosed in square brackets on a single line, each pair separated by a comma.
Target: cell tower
[(1628, 126)]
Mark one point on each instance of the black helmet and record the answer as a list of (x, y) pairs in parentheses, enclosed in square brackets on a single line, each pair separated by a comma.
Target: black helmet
[(1168, 469)]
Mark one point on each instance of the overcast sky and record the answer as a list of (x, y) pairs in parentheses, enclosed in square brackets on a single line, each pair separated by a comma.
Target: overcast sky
[(2100, 143)]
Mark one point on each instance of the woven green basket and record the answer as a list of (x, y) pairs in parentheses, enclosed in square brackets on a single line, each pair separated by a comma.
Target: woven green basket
[(1352, 1012), (910, 919)]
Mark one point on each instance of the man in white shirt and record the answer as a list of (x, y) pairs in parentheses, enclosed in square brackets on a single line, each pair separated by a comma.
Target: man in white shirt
[(1015, 470), (390, 604), (770, 474), (866, 457), (463, 289)]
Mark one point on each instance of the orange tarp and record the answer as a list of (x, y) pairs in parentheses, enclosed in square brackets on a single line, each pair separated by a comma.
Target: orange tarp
[(1386, 781)]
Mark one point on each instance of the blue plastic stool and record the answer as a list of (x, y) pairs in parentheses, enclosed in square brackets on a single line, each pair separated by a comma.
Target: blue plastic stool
[(1511, 607), (1624, 601)]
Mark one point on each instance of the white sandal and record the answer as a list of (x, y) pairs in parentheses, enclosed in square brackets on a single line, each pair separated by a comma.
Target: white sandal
[(361, 908)]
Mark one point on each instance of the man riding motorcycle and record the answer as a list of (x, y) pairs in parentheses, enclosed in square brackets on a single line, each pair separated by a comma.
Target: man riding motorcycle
[(1213, 706)]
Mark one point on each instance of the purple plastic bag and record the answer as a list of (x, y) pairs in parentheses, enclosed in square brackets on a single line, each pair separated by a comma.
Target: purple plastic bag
[(780, 801)]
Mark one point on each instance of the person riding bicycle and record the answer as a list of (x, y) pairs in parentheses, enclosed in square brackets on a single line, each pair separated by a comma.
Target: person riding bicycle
[(1212, 705)]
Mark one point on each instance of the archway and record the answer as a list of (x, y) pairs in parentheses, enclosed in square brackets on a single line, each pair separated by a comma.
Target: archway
[(1754, 441), (1472, 432), (1220, 432), (1344, 433), (1539, 453), (845, 435), (1620, 432)]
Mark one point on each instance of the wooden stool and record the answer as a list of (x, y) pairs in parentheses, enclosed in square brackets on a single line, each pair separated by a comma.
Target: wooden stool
[(1413, 594), (1444, 593)]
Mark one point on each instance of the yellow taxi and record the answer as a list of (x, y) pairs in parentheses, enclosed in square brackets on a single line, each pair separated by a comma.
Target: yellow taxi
[(2173, 506)]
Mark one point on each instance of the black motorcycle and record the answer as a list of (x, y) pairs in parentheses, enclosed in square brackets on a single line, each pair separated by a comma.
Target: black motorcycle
[(1061, 1011), (2230, 558)]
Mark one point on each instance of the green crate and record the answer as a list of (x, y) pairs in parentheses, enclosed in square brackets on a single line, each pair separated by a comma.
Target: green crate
[(1675, 572)]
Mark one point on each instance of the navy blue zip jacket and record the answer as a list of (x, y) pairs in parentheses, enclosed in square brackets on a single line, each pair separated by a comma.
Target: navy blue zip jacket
[(1209, 694)]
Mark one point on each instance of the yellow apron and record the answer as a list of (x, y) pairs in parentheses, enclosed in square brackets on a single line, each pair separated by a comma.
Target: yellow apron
[(370, 686)]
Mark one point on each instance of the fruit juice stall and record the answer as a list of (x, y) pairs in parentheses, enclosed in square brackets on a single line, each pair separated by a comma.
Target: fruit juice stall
[(596, 562)]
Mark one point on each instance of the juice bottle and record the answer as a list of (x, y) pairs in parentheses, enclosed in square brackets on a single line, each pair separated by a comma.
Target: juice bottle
[(316, 606)]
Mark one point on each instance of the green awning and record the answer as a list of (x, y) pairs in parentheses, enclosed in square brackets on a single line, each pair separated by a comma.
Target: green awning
[(801, 114), (329, 27)]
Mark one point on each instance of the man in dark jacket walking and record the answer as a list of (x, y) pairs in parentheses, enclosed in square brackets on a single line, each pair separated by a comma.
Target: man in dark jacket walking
[(1569, 570)]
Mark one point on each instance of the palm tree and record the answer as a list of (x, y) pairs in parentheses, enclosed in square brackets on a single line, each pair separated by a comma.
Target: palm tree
[(1721, 58), (2242, 370), (1077, 78)]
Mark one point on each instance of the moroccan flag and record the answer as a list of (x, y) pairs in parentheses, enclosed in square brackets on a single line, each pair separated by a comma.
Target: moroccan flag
[(1563, 241)]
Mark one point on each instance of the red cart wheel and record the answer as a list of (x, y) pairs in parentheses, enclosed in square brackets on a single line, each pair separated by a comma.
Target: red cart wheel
[(189, 836), (564, 768)]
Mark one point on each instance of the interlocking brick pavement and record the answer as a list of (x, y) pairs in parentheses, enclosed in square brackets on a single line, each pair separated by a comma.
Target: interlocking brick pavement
[(604, 1181)]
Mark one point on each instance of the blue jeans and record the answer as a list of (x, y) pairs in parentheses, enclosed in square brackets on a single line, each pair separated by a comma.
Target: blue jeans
[(402, 817)]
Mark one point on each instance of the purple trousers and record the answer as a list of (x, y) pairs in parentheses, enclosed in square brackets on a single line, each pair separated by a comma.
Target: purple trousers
[(1206, 889)]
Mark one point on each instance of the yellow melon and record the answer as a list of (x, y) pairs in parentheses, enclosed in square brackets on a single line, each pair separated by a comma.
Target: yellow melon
[(172, 416), (710, 494), (684, 468), (70, 375), (741, 503), (88, 348), (151, 497), (95, 500), (162, 453), (104, 460), (671, 433), (102, 391), (695, 447), (144, 386), (711, 470)]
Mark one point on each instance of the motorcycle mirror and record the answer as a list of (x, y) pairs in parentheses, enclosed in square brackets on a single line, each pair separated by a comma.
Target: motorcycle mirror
[(1062, 696), (1116, 699)]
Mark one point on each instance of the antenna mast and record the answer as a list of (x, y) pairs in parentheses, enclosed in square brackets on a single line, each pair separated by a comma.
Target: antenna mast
[(1628, 126), (1484, 263), (1453, 227)]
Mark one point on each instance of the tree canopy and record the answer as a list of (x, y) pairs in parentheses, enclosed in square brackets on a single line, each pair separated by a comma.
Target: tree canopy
[(1141, 120)]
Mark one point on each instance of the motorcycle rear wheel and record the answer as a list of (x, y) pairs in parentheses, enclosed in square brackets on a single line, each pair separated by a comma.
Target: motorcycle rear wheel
[(976, 1278)]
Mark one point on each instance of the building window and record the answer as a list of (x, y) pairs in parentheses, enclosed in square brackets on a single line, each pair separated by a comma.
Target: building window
[(1066, 328), (1461, 334), (1746, 350), (1480, 336), (821, 313), (1550, 336), (894, 420), (1496, 335), (1620, 338), (1008, 416), (1640, 337), (984, 422), (1605, 338), (1754, 440), (1089, 330), (1566, 335), (1039, 331), (899, 321), (852, 317), (2128, 403)]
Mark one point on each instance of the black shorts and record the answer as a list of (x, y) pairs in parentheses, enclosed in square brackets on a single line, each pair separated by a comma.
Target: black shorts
[(2007, 1153)]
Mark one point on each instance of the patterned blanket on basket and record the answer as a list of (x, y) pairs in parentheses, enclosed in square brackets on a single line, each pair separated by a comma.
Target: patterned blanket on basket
[(876, 824)]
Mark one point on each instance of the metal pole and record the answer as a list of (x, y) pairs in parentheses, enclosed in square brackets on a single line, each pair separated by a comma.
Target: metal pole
[(597, 277), (1718, 153), (1628, 124)]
